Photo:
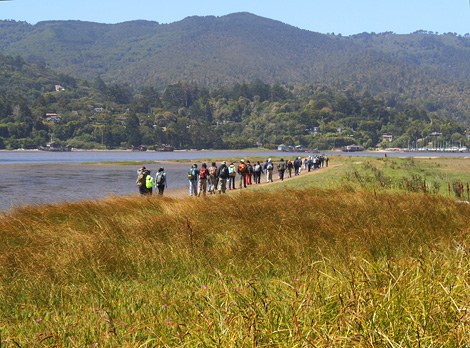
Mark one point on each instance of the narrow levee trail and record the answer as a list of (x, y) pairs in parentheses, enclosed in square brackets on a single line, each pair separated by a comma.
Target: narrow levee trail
[(181, 192)]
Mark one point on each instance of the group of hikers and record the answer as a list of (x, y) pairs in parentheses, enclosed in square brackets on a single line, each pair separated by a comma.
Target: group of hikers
[(213, 178), (146, 182)]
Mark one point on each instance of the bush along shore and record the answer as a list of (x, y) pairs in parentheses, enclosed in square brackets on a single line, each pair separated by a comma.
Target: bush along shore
[(310, 267)]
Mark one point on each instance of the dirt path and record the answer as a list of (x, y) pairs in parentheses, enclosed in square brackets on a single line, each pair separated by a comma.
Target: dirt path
[(181, 192)]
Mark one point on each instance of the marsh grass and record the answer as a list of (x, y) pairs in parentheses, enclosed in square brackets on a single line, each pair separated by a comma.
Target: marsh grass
[(444, 176), (284, 267)]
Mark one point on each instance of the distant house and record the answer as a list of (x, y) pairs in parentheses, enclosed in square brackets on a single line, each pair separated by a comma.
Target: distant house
[(53, 145), (312, 131), (283, 147), (59, 88), (352, 148), (387, 137), (53, 118), (98, 109)]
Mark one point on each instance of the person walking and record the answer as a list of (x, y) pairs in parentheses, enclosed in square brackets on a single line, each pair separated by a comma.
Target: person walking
[(149, 183), (281, 169), (257, 171), (242, 174), (297, 166), (249, 173), (269, 170), (160, 181), (290, 166), (141, 180), (203, 174), (222, 174), (212, 180), (193, 174), (310, 163), (265, 167), (232, 172)]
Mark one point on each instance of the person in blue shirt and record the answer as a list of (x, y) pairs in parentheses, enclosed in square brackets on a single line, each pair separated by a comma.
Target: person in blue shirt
[(193, 176)]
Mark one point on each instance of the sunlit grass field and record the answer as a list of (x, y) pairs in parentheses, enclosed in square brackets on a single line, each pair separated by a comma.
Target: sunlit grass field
[(357, 254)]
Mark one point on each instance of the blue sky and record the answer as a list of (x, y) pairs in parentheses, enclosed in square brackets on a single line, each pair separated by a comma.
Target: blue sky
[(325, 16)]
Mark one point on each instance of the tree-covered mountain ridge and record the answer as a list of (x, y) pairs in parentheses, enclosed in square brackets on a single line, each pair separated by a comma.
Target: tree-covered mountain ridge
[(422, 69), (234, 48)]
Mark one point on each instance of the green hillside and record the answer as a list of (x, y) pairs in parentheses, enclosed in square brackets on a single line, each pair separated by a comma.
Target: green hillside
[(420, 70), (38, 103), (235, 81)]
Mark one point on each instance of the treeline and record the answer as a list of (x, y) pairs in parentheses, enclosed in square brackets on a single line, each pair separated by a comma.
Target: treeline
[(95, 114)]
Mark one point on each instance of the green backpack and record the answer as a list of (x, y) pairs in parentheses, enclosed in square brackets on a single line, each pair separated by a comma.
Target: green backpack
[(192, 174), (149, 181)]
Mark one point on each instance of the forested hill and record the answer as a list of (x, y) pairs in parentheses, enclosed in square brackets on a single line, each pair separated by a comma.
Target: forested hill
[(422, 69), (206, 50), (239, 47)]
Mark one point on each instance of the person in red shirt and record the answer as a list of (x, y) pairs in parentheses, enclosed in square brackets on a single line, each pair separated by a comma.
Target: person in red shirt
[(203, 174)]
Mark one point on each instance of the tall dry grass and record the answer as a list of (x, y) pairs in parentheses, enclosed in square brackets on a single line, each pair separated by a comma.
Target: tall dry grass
[(293, 268)]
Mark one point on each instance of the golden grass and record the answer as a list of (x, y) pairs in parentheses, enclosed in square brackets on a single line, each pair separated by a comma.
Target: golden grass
[(290, 268)]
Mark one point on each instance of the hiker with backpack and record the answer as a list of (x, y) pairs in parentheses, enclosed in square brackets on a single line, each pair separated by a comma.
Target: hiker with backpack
[(249, 173), (222, 174), (310, 163), (203, 175), (149, 183), (232, 172), (269, 167), (257, 171), (141, 180), (160, 181), (290, 166), (242, 171), (212, 179), (281, 169), (193, 174), (297, 166)]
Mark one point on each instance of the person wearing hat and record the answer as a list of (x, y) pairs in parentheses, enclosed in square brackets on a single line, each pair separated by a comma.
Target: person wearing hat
[(242, 170), (160, 181), (222, 174)]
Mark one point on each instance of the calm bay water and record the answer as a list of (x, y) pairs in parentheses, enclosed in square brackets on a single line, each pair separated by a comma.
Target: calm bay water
[(30, 177)]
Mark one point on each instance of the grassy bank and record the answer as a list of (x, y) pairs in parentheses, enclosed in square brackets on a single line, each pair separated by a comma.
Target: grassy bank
[(339, 262)]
